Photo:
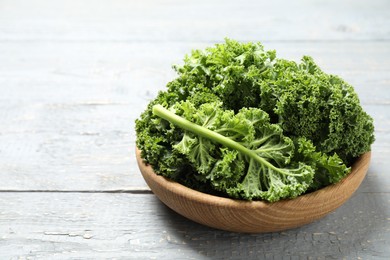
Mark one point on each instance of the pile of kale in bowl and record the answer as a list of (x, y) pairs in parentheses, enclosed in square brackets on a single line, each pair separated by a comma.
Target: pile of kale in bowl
[(239, 122)]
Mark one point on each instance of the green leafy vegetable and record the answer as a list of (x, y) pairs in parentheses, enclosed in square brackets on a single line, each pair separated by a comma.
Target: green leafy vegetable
[(242, 155), (239, 122)]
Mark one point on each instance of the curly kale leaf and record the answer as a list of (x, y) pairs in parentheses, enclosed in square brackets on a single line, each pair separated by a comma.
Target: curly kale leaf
[(328, 169), (303, 99), (231, 70), (241, 155), (155, 138), (323, 108)]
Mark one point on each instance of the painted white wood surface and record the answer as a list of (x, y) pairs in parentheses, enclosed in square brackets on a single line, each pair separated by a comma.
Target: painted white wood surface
[(74, 75)]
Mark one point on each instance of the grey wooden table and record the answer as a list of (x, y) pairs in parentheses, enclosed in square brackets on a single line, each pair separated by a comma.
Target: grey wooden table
[(74, 75)]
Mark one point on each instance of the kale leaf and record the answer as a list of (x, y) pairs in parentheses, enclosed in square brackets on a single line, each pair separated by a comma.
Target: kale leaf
[(302, 98), (242, 154)]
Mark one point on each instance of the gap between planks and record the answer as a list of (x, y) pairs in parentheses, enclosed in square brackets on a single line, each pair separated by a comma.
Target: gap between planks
[(135, 190)]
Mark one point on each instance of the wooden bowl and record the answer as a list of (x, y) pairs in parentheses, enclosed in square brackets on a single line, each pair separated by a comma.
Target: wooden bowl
[(254, 216)]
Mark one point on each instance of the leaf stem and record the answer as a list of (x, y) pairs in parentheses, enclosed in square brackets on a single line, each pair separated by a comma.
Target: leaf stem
[(183, 123)]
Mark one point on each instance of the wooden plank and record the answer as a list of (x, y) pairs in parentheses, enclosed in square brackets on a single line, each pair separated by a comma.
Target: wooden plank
[(118, 72), (80, 163), (68, 120), (91, 226), (80, 147), (200, 20)]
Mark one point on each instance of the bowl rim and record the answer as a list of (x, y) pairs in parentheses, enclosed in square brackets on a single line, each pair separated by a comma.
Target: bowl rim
[(214, 200)]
